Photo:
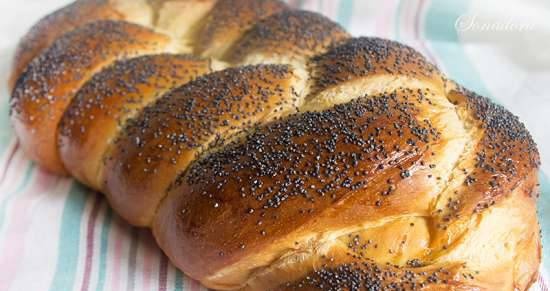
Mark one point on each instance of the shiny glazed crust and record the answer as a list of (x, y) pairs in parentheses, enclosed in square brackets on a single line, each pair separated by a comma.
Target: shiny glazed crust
[(44, 91), (267, 149), (104, 104), (169, 134)]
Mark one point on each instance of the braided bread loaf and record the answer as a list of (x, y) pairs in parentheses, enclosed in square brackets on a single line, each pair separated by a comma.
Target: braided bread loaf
[(269, 150)]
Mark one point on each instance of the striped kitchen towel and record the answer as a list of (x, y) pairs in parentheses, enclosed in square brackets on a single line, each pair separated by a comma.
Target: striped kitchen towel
[(58, 235)]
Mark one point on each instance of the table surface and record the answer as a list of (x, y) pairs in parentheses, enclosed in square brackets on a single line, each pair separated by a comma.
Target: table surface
[(58, 235)]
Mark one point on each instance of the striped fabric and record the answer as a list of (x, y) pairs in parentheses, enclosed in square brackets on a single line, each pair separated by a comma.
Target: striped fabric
[(57, 235)]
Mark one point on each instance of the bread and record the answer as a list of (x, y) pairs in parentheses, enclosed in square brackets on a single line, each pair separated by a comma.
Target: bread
[(267, 149)]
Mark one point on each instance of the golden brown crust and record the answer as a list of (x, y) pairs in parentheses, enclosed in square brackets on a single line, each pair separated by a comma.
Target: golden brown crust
[(49, 28), (506, 154), (295, 183), (229, 20), (291, 33), (45, 90), (102, 106), (493, 184), (168, 134), (501, 157), (353, 165), (368, 56), (354, 262), (287, 175), (336, 273)]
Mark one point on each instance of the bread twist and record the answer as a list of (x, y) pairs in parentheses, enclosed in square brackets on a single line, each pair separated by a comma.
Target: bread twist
[(269, 150)]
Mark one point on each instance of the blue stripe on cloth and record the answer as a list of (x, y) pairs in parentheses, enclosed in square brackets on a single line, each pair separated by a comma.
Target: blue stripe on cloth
[(544, 218), (104, 247), (178, 285), (345, 13), (69, 239), (443, 37), (397, 27)]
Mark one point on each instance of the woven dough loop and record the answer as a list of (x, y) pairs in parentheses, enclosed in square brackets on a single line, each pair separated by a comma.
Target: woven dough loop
[(267, 149)]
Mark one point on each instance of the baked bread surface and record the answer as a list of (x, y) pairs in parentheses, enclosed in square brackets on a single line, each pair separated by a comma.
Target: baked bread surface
[(267, 149)]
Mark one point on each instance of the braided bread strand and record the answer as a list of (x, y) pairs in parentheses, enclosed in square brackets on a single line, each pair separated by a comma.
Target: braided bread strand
[(267, 149)]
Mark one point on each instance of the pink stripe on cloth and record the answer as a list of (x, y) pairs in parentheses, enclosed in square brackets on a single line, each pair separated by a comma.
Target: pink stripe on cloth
[(163, 272), (542, 283), (15, 180), (90, 232), (194, 286), (116, 235), (14, 247), (330, 8), (148, 254), (294, 4), (383, 22)]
